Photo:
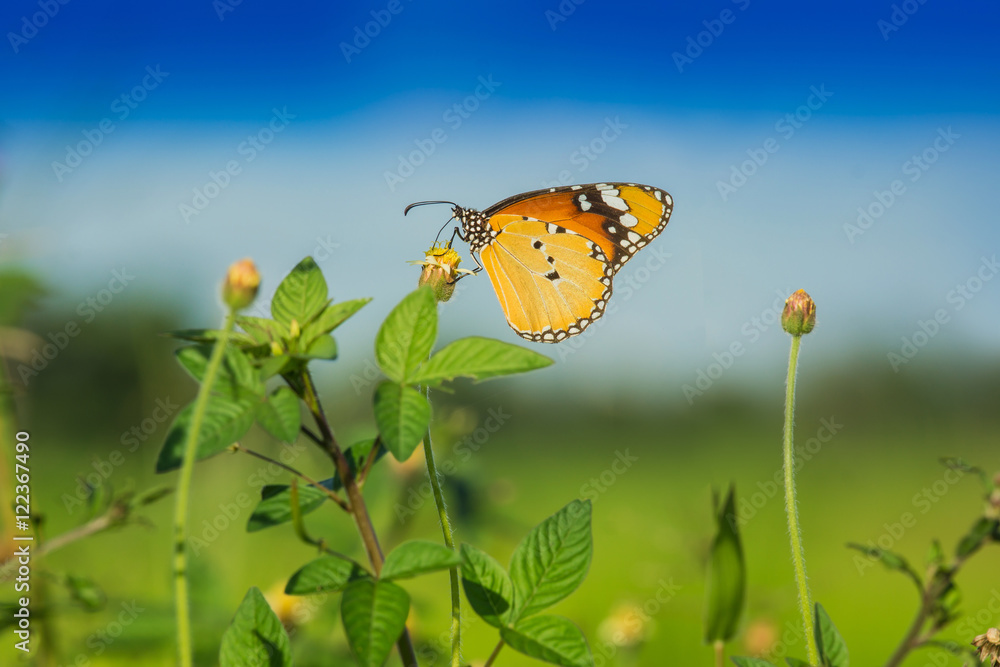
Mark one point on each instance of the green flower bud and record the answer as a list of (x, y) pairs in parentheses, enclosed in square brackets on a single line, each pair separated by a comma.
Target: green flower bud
[(799, 316)]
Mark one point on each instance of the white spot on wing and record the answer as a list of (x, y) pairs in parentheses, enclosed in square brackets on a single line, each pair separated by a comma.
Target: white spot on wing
[(628, 220), (615, 202)]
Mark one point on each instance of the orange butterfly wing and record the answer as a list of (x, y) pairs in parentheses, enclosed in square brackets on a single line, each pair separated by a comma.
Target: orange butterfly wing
[(551, 254)]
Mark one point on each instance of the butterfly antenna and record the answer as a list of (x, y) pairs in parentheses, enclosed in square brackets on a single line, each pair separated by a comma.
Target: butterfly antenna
[(424, 203)]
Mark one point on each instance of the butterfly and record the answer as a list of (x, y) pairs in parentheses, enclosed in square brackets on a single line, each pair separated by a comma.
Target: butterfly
[(551, 254)]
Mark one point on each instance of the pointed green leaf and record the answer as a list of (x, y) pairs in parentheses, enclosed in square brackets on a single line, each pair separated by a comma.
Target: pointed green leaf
[(407, 335), (261, 329), (477, 358), (332, 317), (417, 557), (402, 415), (329, 573), (553, 639), (209, 335), (978, 535), (832, 649), (324, 347), (795, 662), (892, 561), (726, 586), (552, 560), (750, 662), (487, 586), (255, 637), (301, 295), (236, 374), (225, 422), (280, 415), (275, 506), (374, 614)]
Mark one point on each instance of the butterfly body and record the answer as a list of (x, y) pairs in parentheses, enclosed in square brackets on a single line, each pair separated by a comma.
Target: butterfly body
[(551, 254)]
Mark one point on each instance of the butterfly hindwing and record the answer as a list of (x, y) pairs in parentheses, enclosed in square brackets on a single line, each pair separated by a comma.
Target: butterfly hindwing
[(551, 283)]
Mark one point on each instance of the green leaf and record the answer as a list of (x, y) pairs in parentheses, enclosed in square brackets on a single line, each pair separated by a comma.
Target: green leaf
[(892, 561), (726, 586), (332, 317), (751, 662), (225, 422), (407, 335), (795, 662), (978, 535), (301, 295), (329, 573), (255, 637), (280, 415), (417, 557), (324, 347), (478, 358), (553, 639), (552, 560), (374, 614), (275, 506), (210, 335), (832, 649), (487, 586), (20, 291), (961, 465), (236, 374), (402, 414), (261, 329)]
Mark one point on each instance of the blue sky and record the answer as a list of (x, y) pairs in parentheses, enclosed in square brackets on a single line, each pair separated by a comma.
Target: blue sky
[(771, 137)]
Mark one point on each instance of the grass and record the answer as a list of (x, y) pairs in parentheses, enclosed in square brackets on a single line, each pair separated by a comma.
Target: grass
[(652, 524)]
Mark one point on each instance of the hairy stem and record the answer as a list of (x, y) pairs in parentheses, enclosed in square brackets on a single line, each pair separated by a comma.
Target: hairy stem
[(184, 490), (792, 510), (355, 501), (449, 540)]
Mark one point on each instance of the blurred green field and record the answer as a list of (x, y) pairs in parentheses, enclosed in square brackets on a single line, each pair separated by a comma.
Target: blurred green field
[(652, 520)]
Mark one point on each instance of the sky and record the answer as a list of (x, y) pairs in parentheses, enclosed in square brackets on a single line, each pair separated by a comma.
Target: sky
[(849, 151)]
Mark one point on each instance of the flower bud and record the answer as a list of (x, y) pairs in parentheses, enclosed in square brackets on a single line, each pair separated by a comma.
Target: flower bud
[(989, 646), (440, 271), (240, 288), (799, 316)]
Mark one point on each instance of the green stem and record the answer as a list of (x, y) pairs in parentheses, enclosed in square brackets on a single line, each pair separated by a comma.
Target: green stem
[(449, 540), (792, 510), (183, 493), (493, 656), (355, 501), (720, 653)]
